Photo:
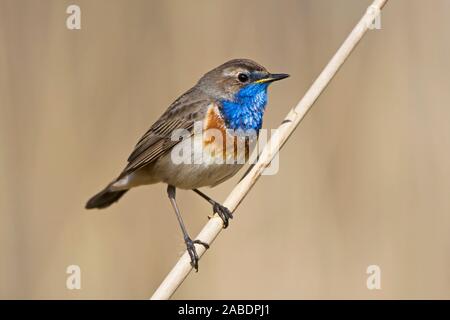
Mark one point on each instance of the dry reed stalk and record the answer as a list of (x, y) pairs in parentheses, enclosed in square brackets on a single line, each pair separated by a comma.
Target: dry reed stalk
[(212, 229)]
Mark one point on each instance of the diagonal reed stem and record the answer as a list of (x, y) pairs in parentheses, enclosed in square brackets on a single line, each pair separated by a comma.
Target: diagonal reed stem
[(212, 229)]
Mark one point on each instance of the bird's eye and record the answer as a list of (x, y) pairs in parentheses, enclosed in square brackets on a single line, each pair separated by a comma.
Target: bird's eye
[(242, 77)]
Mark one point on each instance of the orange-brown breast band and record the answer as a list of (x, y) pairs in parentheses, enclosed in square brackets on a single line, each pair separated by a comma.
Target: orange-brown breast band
[(214, 120)]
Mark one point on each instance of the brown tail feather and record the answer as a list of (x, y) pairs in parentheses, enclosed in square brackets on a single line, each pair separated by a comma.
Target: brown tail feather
[(104, 198)]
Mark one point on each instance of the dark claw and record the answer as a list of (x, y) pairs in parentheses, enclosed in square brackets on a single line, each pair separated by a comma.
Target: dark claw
[(223, 213), (190, 246)]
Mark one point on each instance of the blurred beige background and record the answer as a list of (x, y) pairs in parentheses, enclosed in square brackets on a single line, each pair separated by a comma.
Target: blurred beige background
[(364, 180)]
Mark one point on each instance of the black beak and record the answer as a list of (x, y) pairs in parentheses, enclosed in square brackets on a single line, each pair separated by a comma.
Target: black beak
[(278, 76), (273, 77)]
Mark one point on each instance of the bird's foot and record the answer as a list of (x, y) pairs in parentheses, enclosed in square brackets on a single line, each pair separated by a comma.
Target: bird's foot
[(223, 212), (190, 246)]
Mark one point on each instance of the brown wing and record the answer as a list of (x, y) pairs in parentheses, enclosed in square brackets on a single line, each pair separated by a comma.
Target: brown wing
[(182, 114)]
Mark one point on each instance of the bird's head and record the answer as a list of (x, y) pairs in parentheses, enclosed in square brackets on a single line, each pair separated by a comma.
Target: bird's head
[(240, 86), (237, 76)]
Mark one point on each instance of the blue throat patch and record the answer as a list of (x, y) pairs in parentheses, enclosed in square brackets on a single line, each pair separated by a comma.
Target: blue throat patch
[(246, 111)]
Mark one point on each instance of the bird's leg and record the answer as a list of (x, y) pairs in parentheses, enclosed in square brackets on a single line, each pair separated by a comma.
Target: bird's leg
[(190, 244), (223, 212)]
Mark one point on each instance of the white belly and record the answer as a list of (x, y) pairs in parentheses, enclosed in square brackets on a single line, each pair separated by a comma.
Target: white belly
[(192, 164), (198, 165)]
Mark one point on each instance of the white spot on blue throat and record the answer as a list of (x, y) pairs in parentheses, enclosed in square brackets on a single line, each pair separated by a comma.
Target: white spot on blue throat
[(246, 110)]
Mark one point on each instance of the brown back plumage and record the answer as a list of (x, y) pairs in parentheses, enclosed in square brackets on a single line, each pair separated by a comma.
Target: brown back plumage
[(183, 112)]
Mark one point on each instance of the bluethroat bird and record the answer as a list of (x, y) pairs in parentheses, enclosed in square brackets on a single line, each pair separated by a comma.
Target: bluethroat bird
[(229, 99)]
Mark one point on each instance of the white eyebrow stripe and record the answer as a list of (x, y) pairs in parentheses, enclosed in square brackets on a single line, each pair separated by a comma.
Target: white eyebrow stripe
[(233, 72)]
